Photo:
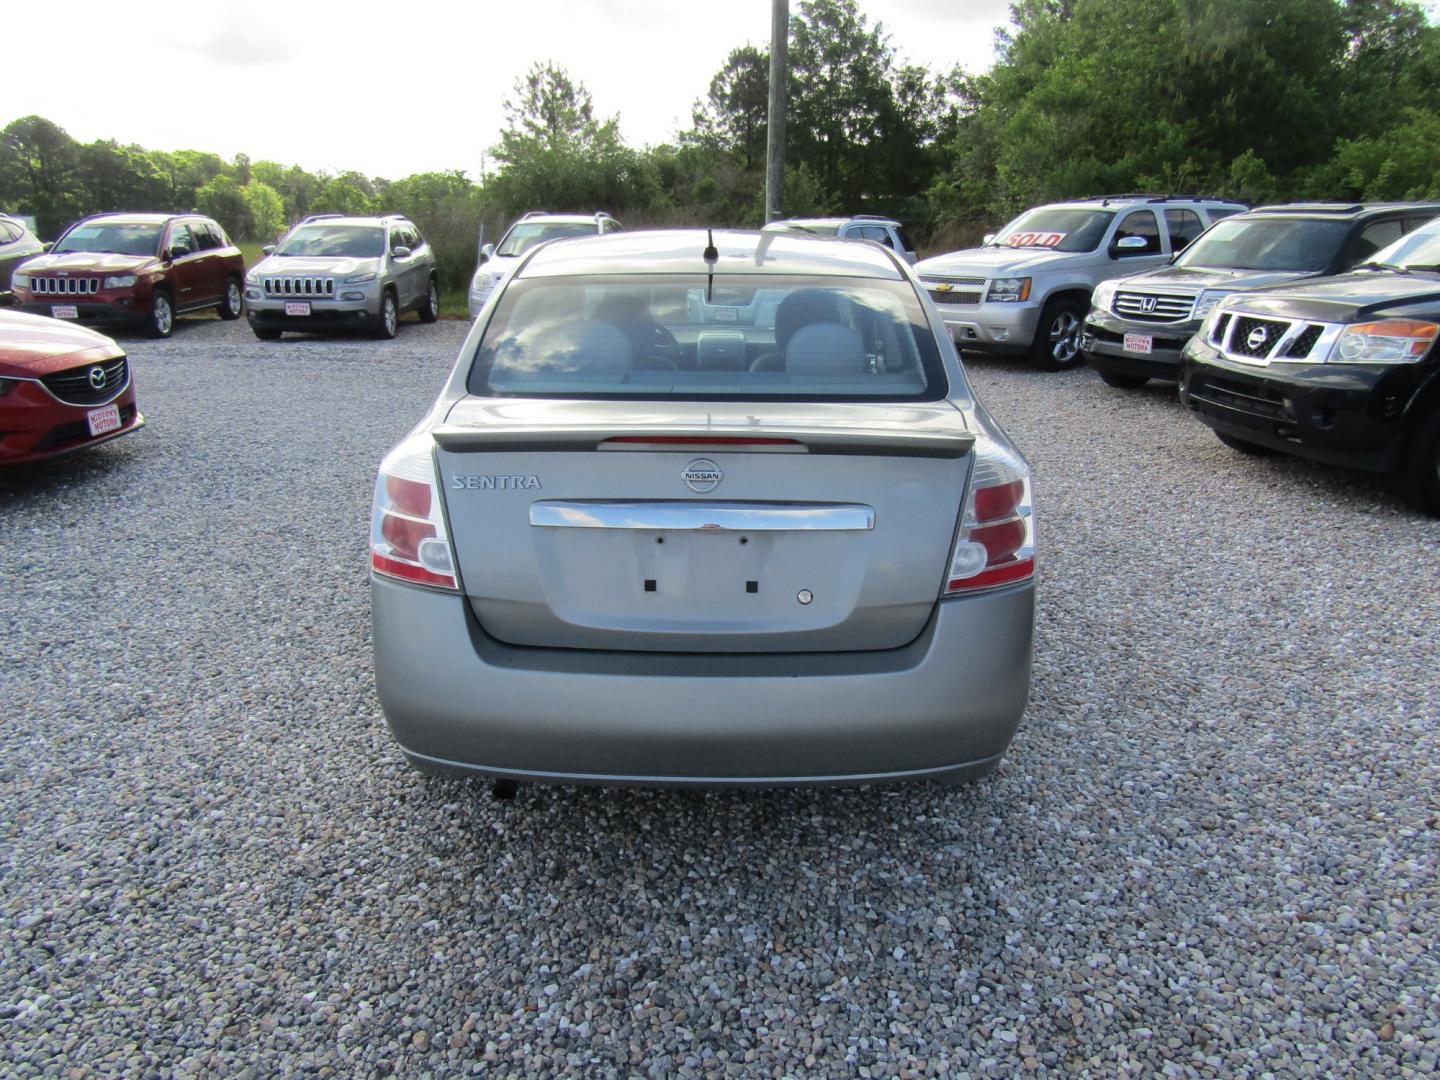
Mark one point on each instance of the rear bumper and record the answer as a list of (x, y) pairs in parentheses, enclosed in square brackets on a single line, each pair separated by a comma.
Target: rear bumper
[(459, 701)]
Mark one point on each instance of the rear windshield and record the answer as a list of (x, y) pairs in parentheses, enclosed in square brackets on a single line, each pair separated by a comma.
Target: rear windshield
[(678, 336), (115, 239), (336, 241), (1420, 249), (525, 235), (1058, 229), (1299, 244)]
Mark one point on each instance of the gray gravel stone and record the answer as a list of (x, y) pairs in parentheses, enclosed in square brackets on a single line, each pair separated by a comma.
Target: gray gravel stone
[(1212, 850)]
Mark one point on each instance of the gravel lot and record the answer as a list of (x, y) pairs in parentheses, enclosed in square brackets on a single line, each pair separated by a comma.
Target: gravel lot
[(1212, 849)]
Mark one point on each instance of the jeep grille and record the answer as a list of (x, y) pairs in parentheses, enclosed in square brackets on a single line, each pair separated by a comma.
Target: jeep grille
[(57, 286), (299, 286)]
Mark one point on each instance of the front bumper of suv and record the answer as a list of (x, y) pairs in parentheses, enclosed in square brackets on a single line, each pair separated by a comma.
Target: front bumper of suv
[(354, 306), (998, 328), (1103, 342), (1341, 414), (459, 701)]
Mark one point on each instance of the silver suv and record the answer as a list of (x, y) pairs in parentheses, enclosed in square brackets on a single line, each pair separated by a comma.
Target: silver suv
[(1028, 289), (334, 272), (887, 232), (536, 227)]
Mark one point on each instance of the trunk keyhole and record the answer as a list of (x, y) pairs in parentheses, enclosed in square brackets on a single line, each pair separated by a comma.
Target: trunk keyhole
[(744, 539), (752, 586), (650, 584)]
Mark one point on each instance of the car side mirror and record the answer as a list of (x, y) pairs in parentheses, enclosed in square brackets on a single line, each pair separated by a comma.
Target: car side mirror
[(400, 251), (47, 245), (1130, 245), (989, 238), (268, 249), (487, 252), (178, 251)]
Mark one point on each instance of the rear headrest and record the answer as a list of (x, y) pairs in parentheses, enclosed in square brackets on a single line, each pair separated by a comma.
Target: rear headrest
[(825, 348), (802, 307)]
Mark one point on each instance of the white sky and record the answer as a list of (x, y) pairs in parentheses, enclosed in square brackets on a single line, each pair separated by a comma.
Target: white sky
[(395, 88)]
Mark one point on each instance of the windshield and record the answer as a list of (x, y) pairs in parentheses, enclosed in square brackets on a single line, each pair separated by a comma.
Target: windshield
[(761, 337), (335, 241), (115, 239), (1303, 245), (1058, 229), (525, 235), (1419, 248)]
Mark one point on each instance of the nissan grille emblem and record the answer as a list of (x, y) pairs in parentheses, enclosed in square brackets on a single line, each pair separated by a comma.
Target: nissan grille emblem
[(1256, 339), (702, 475), (97, 378), (1147, 304)]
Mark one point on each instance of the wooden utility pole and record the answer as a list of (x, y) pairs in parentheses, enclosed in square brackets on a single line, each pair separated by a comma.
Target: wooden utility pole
[(775, 138)]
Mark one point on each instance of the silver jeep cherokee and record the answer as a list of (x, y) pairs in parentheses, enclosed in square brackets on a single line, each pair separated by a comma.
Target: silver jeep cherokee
[(332, 272), (687, 514), (1028, 289)]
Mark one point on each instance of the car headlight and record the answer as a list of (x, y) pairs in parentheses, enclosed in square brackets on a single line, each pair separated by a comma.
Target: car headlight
[(1011, 290), (19, 281), (1206, 302), (1389, 341), (1104, 295), (120, 281), (356, 279)]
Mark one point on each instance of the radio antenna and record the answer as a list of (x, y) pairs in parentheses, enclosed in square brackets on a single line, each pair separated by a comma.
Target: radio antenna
[(711, 257)]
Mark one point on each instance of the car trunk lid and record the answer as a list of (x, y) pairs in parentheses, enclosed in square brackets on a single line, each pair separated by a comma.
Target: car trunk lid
[(703, 527)]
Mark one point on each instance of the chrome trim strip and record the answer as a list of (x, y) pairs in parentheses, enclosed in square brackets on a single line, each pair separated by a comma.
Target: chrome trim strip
[(696, 516)]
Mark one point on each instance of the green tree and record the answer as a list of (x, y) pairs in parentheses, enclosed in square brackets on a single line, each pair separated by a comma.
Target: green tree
[(734, 117), (224, 200), (38, 171), (267, 210)]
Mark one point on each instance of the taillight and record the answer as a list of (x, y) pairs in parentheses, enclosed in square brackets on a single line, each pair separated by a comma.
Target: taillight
[(996, 543), (408, 539)]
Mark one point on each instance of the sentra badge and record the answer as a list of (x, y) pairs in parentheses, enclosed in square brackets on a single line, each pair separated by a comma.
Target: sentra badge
[(494, 483)]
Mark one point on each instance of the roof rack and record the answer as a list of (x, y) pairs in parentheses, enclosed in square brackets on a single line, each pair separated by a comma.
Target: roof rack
[(319, 217), (1148, 196), (871, 217), (533, 213), (1313, 208)]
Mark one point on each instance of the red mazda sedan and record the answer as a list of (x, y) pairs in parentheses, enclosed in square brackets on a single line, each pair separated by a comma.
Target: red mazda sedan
[(62, 388)]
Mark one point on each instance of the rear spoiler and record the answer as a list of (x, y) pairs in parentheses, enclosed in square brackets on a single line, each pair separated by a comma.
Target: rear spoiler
[(891, 441)]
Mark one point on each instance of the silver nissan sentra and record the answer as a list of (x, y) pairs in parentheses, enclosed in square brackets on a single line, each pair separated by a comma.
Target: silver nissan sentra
[(705, 509)]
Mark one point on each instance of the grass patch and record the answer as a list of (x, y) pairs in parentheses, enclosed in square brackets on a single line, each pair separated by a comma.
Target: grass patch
[(455, 304)]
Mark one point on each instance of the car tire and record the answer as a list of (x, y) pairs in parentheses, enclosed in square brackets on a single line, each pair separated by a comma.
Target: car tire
[(232, 305), (1122, 382), (1244, 446), (430, 305), (267, 333), (387, 321), (160, 321), (1057, 337), (1420, 471)]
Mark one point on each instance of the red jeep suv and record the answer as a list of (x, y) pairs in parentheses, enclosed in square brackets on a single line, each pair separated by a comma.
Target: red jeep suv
[(134, 268)]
